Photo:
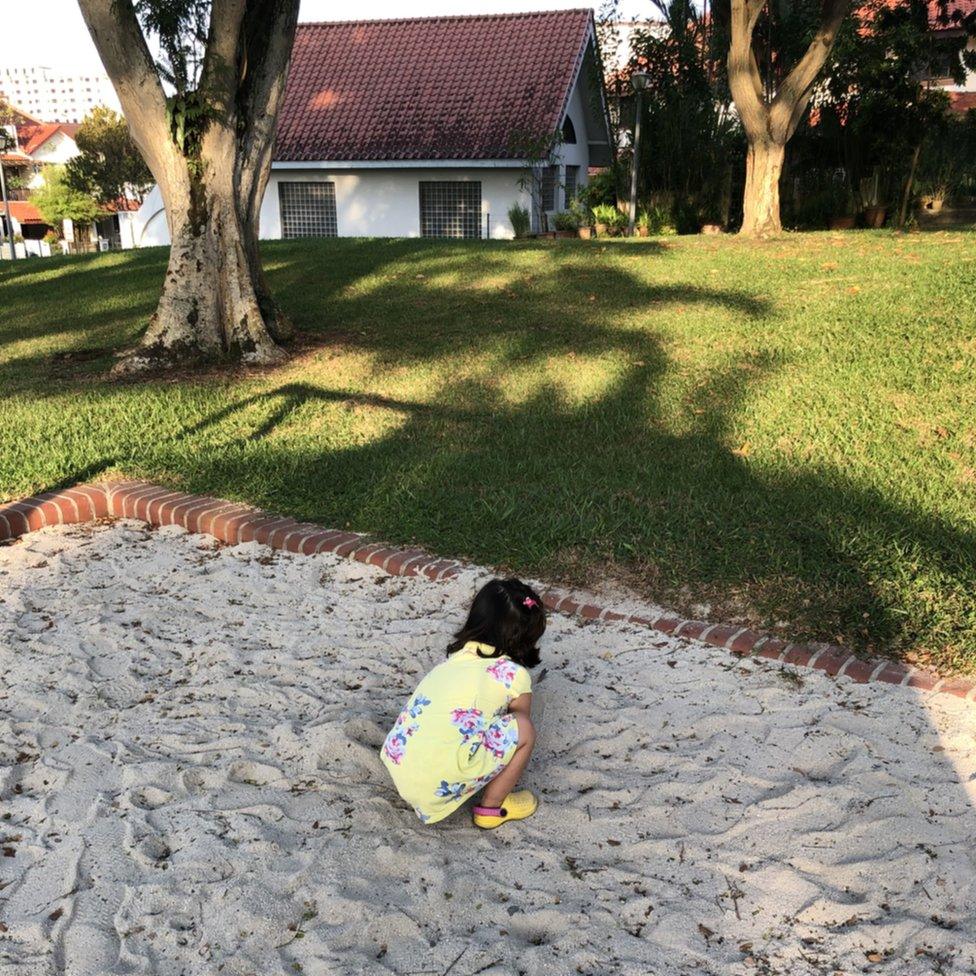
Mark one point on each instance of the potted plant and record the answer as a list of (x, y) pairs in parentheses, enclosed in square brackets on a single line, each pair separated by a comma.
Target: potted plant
[(604, 218), (874, 210), (566, 223), (518, 217), (875, 216), (581, 214), (643, 225)]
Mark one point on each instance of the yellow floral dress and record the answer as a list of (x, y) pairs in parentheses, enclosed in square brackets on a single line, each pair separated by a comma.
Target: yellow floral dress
[(455, 734)]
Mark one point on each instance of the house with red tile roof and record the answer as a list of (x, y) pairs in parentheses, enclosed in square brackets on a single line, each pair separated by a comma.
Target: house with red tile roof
[(431, 127), (953, 19)]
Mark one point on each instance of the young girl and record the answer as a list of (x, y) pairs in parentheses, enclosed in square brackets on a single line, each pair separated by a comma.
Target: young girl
[(467, 725)]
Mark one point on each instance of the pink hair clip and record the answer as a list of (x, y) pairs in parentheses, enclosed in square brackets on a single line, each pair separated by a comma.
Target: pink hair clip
[(529, 602)]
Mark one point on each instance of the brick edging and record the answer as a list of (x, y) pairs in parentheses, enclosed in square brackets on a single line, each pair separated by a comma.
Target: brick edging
[(235, 523)]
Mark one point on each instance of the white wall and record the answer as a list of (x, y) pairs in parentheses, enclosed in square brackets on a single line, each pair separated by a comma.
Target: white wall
[(578, 154), (370, 202), (58, 149)]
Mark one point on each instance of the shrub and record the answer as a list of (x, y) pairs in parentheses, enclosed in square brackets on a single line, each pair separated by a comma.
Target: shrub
[(657, 220), (519, 218), (601, 189), (611, 216), (605, 213), (566, 220)]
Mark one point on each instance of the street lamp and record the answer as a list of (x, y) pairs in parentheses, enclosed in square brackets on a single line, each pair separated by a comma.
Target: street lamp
[(639, 81), (6, 143)]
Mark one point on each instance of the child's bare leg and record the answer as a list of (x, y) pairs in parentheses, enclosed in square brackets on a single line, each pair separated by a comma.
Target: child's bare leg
[(506, 781)]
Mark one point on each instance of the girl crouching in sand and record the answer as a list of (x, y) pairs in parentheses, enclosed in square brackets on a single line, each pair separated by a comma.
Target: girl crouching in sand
[(467, 725)]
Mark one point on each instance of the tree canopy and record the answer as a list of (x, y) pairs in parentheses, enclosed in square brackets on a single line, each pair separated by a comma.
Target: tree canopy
[(108, 167), (58, 200)]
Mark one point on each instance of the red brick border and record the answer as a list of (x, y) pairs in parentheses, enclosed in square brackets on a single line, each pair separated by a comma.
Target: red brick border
[(234, 523)]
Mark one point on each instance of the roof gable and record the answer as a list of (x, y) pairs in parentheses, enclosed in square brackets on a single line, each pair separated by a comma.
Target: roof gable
[(32, 136), (429, 88)]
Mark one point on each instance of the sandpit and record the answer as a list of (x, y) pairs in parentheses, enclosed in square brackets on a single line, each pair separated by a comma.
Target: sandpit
[(190, 784)]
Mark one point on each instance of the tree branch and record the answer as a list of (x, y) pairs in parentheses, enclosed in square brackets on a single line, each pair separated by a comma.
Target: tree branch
[(221, 69), (745, 80), (268, 38), (788, 106), (115, 29)]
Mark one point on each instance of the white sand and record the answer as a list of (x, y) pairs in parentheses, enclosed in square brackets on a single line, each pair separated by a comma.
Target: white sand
[(190, 785)]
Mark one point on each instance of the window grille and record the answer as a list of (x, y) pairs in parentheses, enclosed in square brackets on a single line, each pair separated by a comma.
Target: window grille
[(572, 183), (547, 188), (307, 209), (450, 208)]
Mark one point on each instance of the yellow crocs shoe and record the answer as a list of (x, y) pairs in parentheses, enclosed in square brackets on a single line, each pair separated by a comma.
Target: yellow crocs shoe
[(516, 806)]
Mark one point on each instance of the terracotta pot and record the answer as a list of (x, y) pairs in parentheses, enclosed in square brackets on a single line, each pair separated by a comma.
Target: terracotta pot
[(601, 229), (711, 228), (643, 231), (846, 222), (585, 233), (875, 216), (932, 204)]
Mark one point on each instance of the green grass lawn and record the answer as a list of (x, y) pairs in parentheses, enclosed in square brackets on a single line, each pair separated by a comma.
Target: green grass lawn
[(779, 433)]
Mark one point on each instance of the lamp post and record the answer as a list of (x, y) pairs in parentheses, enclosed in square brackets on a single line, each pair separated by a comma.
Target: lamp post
[(639, 81), (6, 142)]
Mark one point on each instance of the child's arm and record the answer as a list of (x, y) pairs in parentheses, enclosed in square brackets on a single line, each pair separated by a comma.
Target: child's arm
[(522, 706)]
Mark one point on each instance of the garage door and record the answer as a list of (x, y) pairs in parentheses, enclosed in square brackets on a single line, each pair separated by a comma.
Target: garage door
[(307, 209), (450, 208)]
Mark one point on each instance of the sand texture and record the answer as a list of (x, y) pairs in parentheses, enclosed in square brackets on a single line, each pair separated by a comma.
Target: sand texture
[(190, 786)]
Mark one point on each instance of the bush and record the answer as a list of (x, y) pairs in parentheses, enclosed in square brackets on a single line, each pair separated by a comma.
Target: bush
[(604, 213), (614, 220), (657, 220), (566, 220), (601, 189), (519, 218)]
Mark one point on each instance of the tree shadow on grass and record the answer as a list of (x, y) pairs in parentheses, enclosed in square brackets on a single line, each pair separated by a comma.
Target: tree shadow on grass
[(499, 451), (603, 486)]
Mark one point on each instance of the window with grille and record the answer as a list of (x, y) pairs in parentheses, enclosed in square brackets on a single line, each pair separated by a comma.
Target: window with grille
[(307, 209), (572, 183), (450, 208), (547, 188)]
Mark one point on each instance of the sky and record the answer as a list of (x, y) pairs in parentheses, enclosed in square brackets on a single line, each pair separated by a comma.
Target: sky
[(52, 32)]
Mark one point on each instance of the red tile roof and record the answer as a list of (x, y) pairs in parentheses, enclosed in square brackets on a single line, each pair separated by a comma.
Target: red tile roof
[(949, 14), (429, 88), (962, 102), (25, 212), (32, 136)]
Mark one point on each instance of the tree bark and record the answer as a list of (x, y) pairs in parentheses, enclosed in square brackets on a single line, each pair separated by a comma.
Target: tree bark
[(770, 123), (215, 302), (764, 167)]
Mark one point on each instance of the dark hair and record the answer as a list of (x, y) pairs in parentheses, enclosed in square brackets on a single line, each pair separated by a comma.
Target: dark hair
[(508, 616)]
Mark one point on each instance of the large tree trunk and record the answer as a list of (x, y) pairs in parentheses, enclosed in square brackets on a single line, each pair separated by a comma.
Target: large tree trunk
[(760, 206), (769, 124), (215, 302), (210, 306)]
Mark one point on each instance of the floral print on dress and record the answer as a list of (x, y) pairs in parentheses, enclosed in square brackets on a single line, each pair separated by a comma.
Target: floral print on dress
[(453, 791), (396, 742), (469, 722), (483, 781), (500, 736), (503, 671)]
